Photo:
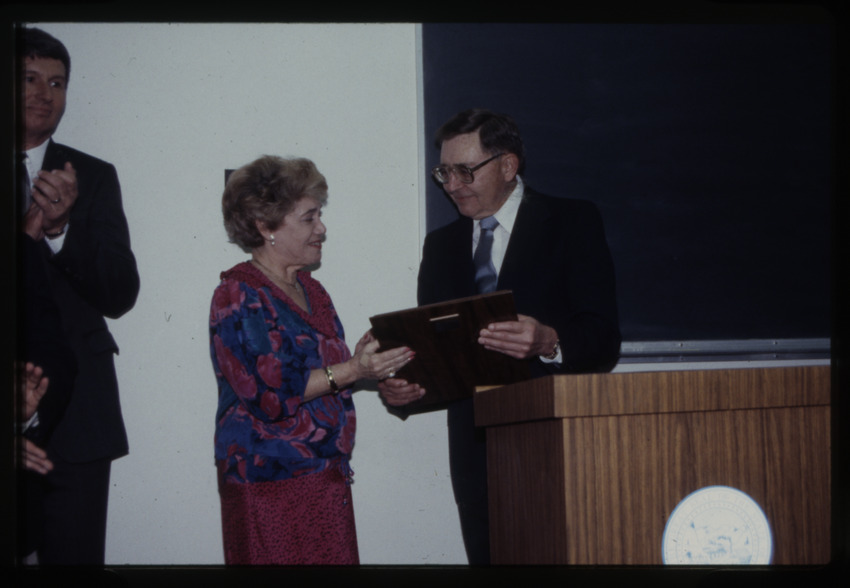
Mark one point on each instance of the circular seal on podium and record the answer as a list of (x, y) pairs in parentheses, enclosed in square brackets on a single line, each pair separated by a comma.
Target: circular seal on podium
[(717, 525)]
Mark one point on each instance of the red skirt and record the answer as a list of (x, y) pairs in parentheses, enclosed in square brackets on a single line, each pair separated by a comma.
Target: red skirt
[(307, 520)]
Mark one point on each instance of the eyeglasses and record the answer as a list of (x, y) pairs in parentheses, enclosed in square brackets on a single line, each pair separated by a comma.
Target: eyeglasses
[(463, 173)]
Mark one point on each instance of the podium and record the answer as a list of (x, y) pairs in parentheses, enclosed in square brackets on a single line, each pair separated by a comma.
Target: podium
[(587, 469)]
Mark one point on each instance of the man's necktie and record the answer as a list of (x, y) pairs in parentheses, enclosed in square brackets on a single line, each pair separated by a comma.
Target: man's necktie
[(23, 181), (485, 271)]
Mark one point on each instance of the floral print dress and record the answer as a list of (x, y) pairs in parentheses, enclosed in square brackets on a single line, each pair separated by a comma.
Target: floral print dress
[(263, 348)]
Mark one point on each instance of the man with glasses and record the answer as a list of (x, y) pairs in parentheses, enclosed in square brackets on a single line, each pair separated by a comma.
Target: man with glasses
[(551, 252)]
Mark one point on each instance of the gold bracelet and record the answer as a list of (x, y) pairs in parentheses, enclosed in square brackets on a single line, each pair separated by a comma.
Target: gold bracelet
[(331, 381)]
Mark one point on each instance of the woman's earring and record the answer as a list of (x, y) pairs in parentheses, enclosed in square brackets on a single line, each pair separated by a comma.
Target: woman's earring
[(271, 238)]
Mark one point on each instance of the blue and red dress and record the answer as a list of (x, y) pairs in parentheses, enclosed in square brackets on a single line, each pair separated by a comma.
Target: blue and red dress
[(267, 439)]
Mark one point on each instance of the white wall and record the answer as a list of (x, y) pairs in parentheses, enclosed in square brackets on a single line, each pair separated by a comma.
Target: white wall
[(173, 106)]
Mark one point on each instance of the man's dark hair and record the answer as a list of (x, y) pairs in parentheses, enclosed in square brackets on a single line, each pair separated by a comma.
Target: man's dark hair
[(497, 132), (35, 44)]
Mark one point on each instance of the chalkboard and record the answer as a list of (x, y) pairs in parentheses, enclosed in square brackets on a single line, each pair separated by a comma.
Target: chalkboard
[(706, 147)]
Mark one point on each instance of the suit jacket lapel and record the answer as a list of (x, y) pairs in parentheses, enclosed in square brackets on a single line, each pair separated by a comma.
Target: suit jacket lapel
[(52, 157), (526, 234), (462, 271)]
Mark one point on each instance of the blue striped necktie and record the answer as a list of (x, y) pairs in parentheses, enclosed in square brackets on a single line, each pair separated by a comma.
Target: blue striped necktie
[(485, 271)]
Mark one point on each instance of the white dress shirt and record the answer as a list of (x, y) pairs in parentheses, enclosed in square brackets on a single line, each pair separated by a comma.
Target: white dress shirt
[(506, 216)]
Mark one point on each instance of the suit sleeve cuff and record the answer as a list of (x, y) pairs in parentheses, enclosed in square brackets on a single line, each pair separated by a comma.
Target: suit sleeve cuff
[(56, 243)]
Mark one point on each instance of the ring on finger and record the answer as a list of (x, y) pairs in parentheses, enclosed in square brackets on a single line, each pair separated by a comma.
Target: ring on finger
[(57, 201)]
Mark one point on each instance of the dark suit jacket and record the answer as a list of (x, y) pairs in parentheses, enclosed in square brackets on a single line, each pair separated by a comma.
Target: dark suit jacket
[(43, 343), (92, 277), (559, 268)]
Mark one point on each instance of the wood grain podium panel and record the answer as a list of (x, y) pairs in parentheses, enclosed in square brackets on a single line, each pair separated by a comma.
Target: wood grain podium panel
[(587, 469)]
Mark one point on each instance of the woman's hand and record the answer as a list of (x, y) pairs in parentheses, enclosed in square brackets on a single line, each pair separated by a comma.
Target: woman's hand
[(398, 392), (374, 365), (394, 391), (367, 363)]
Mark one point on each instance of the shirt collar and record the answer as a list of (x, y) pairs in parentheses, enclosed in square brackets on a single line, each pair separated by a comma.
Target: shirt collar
[(35, 157), (506, 215)]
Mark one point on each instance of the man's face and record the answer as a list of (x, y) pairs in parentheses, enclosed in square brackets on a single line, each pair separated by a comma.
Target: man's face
[(45, 85), (492, 184)]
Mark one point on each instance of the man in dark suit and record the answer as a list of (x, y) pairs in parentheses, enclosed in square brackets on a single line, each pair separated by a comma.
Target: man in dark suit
[(75, 218), (551, 252)]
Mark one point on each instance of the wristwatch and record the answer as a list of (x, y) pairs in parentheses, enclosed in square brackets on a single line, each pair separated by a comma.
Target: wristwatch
[(555, 351), (58, 233)]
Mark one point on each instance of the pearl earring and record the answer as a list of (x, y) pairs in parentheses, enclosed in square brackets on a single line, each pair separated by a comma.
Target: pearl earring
[(271, 238)]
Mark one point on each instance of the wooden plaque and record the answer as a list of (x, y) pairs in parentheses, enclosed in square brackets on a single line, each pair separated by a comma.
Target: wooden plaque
[(449, 361)]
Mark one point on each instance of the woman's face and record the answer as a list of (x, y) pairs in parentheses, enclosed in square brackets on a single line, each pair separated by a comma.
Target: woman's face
[(298, 240)]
